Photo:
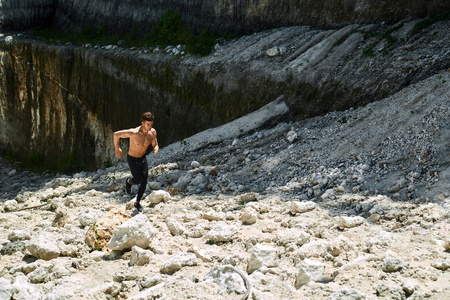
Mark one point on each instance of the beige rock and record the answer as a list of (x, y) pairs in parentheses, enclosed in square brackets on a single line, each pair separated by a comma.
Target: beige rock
[(99, 233)]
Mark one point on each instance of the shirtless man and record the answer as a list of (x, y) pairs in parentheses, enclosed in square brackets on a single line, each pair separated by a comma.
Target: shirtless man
[(140, 139)]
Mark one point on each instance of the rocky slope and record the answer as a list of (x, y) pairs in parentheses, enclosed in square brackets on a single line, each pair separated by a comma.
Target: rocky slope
[(85, 92), (351, 205)]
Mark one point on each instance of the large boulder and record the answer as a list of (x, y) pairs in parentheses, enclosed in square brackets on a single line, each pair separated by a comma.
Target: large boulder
[(137, 231), (100, 232)]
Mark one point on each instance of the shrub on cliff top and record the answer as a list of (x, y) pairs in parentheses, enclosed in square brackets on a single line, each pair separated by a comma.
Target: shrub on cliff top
[(171, 29)]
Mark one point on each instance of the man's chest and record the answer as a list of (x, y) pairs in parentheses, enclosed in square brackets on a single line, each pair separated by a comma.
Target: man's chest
[(143, 139)]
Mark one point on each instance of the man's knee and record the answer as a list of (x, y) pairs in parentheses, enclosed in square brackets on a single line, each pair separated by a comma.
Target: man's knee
[(136, 181)]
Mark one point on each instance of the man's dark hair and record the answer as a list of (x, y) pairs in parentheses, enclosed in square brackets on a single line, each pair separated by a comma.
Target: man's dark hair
[(147, 116)]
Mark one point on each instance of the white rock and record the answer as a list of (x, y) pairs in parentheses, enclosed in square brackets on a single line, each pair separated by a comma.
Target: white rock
[(348, 222), (197, 231), (227, 280), (140, 257), (49, 193), (274, 51), (202, 254), (301, 207), (291, 136), (446, 243), (249, 216), (41, 273), (19, 235), (195, 164), (313, 249), (44, 246), (248, 197), (97, 255), (214, 216), (222, 232), (174, 226), (292, 236), (6, 289), (137, 231), (262, 256), (390, 292), (347, 293), (391, 262), (98, 292), (410, 285), (310, 270), (158, 196), (50, 271), (339, 245), (24, 290), (152, 281), (178, 261), (442, 265), (89, 216), (382, 239), (11, 205)]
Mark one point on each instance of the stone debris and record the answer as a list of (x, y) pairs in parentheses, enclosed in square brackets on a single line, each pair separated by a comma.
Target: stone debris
[(177, 261), (44, 246), (137, 231), (140, 257), (350, 205), (262, 256)]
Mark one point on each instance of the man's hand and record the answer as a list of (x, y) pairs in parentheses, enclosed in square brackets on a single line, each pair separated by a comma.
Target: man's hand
[(119, 153), (156, 149)]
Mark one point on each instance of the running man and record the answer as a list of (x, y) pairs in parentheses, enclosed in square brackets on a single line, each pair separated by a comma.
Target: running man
[(140, 139)]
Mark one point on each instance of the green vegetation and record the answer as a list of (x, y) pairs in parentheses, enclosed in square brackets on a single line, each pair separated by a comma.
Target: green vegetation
[(99, 240), (391, 40), (429, 21), (385, 35), (171, 29), (343, 120)]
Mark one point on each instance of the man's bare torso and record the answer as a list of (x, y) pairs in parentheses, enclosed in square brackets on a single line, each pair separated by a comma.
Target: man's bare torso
[(140, 141)]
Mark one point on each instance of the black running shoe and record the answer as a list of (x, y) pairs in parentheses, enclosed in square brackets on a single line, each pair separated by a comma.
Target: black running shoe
[(138, 206), (127, 187)]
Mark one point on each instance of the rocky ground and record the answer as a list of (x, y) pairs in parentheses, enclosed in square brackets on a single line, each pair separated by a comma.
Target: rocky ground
[(351, 205)]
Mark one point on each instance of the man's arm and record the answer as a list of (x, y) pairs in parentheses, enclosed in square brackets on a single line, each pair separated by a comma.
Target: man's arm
[(155, 145), (117, 136)]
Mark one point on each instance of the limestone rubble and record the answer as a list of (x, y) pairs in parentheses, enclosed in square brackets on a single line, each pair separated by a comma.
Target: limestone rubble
[(355, 207)]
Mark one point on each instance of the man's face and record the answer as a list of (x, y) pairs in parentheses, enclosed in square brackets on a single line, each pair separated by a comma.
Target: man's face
[(147, 125)]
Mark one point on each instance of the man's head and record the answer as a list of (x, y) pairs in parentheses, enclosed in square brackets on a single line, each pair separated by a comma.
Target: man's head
[(147, 121), (147, 116)]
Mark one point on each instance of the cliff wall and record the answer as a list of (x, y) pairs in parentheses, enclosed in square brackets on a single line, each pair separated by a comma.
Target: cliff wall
[(219, 16), (58, 99)]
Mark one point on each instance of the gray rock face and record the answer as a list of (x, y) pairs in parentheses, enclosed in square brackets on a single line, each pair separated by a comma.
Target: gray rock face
[(219, 16), (25, 14), (320, 71)]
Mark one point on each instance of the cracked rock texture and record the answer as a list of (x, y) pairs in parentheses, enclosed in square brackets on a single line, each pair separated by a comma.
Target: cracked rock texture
[(84, 93)]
